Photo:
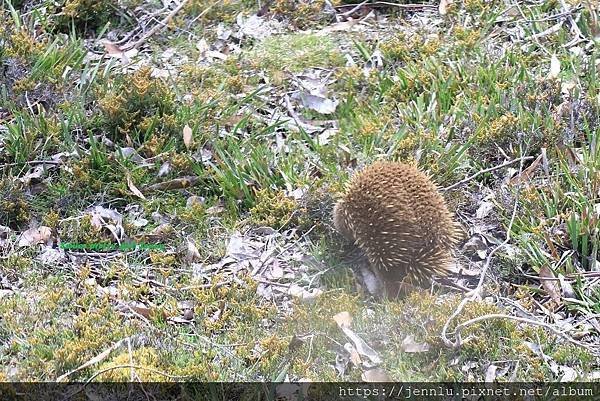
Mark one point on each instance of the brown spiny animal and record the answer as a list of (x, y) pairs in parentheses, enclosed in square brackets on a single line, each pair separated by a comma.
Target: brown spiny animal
[(395, 214)]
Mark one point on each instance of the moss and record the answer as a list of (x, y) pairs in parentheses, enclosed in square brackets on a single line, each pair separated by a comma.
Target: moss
[(148, 362), (301, 13), (295, 52), (136, 107), (15, 210), (22, 44), (86, 15), (273, 209)]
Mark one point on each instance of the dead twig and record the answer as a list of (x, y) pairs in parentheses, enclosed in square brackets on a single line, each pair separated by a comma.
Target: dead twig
[(487, 170), (130, 366), (98, 358), (387, 3), (354, 9), (162, 24), (461, 326), (476, 293)]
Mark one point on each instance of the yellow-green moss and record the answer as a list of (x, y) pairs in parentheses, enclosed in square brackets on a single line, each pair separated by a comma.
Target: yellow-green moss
[(273, 209), (148, 362), (295, 52), (137, 105)]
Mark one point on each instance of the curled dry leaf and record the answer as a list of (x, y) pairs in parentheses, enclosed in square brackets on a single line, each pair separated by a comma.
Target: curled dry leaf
[(133, 188), (343, 319), (550, 284), (191, 252), (409, 345), (188, 139), (375, 375), (361, 346), (554, 67), (34, 236), (354, 356), (177, 183)]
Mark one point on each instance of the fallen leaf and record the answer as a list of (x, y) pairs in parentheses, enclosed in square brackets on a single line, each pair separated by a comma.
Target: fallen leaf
[(112, 49), (554, 67), (490, 373), (361, 346), (191, 253), (484, 210), (343, 319), (443, 6), (337, 27), (550, 284), (164, 169), (303, 294), (177, 183), (354, 356), (375, 375), (528, 172), (133, 188), (34, 236), (319, 104), (567, 288), (187, 136), (409, 345)]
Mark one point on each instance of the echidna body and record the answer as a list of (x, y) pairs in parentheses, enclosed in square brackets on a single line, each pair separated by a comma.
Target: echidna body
[(396, 215)]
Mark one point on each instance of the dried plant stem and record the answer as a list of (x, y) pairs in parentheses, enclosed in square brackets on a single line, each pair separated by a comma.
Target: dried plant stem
[(487, 170)]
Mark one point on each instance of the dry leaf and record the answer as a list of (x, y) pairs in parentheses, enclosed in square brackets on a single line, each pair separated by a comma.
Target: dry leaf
[(443, 7), (305, 295), (410, 346), (554, 67), (528, 172), (191, 254), (343, 319), (361, 346), (567, 288), (177, 183), (337, 27), (490, 373), (133, 188), (112, 49), (375, 375), (35, 236), (354, 356), (318, 103), (549, 284), (188, 139)]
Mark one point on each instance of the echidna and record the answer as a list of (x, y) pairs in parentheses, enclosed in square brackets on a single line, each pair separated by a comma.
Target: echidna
[(395, 214)]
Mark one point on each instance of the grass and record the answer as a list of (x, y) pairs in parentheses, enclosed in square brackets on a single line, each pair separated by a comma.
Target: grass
[(455, 98)]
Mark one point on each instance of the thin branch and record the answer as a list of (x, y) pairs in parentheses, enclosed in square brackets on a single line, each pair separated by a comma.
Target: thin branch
[(125, 366), (477, 291), (492, 316), (487, 170), (98, 358), (162, 24)]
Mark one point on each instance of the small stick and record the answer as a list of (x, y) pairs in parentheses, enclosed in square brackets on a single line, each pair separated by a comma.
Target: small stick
[(477, 291), (98, 358), (163, 24), (354, 9), (487, 170), (478, 319)]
